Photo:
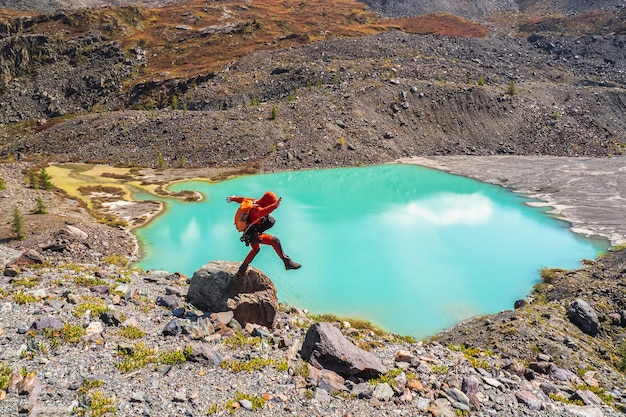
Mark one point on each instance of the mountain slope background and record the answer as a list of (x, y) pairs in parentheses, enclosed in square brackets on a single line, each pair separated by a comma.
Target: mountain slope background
[(288, 85)]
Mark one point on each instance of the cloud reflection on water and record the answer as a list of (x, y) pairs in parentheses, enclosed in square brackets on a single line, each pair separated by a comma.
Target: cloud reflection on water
[(443, 209)]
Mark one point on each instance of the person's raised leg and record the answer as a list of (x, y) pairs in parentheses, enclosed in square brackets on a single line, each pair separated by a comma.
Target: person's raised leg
[(274, 242)]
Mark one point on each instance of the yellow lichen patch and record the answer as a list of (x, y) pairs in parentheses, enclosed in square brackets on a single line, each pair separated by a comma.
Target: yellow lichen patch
[(72, 178), (107, 192)]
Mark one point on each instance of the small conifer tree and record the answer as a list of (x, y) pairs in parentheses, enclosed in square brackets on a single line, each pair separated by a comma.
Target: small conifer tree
[(160, 160), (18, 224), (41, 206), (3, 186), (44, 180), (274, 112), (512, 90)]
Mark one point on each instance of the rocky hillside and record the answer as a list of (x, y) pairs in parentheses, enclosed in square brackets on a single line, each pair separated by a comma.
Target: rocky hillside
[(110, 90), (99, 339), (351, 101)]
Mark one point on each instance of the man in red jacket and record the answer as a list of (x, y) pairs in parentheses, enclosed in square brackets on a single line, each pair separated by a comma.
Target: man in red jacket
[(253, 219)]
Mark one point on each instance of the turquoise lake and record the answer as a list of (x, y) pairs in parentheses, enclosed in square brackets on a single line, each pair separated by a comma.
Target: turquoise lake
[(411, 249)]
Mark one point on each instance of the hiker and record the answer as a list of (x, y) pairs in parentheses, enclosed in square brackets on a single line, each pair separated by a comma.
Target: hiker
[(253, 219)]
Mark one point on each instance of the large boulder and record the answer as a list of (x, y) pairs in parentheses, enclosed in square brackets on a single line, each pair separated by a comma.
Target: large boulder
[(216, 287), (584, 317), (325, 347)]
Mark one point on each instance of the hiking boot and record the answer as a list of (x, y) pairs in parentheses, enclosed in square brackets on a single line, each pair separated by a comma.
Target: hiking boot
[(242, 269), (289, 264)]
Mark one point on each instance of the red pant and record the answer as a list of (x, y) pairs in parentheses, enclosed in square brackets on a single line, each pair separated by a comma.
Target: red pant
[(264, 239)]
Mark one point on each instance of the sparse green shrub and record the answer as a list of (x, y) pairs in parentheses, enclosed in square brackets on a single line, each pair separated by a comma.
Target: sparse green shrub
[(512, 90), (89, 384), (117, 260), (86, 281), (71, 333), (98, 405), (281, 366), (274, 113), (182, 161), (3, 186), (239, 341), (599, 391), (388, 377), (17, 226), (174, 103), (131, 332), (23, 298), (440, 369), (5, 375), (160, 160), (398, 339), (174, 357), (28, 282), (134, 357), (481, 80), (562, 399), (548, 275), (302, 369), (95, 306), (41, 207), (473, 355), (45, 180), (248, 366), (257, 402)]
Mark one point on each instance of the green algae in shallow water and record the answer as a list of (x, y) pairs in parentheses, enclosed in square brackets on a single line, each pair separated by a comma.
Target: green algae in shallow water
[(410, 249)]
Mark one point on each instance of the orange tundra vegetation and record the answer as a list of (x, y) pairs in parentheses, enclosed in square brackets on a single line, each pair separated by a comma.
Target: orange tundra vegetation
[(196, 37)]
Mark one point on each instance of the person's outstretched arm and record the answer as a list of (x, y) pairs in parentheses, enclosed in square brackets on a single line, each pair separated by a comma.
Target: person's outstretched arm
[(235, 198)]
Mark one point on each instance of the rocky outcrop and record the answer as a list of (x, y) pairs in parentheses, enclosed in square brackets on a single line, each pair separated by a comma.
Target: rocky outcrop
[(30, 257), (327, 348), (216, 287), (584, 317), (43, 76)]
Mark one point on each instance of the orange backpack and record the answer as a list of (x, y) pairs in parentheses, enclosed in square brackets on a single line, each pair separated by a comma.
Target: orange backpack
[(242, 216)]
